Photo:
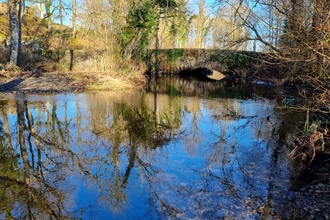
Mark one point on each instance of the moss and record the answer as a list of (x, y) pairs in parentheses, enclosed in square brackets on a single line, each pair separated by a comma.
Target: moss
[(174, 54), (233, 60), (54, 55)]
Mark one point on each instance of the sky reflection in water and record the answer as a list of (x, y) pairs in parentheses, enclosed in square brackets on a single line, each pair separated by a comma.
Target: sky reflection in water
[(141, 155)]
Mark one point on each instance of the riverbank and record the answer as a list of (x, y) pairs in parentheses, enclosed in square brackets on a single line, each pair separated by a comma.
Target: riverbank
[(313, 190), (311, 152), (57, 82)]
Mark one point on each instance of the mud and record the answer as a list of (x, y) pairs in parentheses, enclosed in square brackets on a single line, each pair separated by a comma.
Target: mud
[(45, 82), (313, 189)]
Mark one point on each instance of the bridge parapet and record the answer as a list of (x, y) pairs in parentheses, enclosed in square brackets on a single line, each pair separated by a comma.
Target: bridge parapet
[(228, 62)]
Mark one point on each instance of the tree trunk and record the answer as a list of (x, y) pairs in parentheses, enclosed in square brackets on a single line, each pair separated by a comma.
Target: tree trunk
[(61, 11), (21, 8), (14, 32), (74, 11), (48, 4), (319, 36)]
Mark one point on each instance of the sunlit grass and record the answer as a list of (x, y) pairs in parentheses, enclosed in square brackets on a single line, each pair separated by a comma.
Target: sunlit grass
[(108, 81)]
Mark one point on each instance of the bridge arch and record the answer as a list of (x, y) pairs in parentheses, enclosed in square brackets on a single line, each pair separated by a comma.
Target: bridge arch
[(221, 63)]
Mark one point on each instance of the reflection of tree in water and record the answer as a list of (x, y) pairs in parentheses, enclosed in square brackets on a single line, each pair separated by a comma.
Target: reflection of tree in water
[(134, 130), (30, 187), (9, 172), (113, 146), (229, 187), (142, 127)]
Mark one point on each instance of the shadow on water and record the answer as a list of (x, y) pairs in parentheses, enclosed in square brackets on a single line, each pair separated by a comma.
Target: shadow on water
[(225, 88), (176, 151)]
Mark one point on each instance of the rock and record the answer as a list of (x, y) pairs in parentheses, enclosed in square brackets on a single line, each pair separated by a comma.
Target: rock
[(320, 185), (216, 75)]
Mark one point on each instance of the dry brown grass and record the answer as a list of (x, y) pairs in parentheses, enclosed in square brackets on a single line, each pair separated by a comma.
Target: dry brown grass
[(11, 67), (103, 81), (307, 144), (4, 56), (97, 63), (110, 74), (315, 136), (98, 72)]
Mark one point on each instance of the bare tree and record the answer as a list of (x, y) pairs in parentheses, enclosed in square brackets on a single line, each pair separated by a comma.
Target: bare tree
[(15, 8), (228, 30), (296, 31)]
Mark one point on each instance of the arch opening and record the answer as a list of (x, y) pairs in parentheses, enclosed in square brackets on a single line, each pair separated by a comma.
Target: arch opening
[(204, 74)]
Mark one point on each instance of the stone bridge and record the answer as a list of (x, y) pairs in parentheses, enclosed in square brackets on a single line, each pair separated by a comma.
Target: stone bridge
[(215, 64)]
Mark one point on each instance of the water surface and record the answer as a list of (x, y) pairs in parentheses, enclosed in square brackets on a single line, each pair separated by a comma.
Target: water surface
[(177, 150)]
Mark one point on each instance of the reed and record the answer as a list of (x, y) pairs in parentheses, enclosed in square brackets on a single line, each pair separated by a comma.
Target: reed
[(104, 62), (115, 81), (110, 73)]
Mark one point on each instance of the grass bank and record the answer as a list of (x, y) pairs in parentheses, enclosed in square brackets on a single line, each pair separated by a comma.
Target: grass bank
[(84, 71)]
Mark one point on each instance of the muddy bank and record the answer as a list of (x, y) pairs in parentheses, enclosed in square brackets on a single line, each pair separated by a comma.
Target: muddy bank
[(55, 82), (47, 82), (312, 188)]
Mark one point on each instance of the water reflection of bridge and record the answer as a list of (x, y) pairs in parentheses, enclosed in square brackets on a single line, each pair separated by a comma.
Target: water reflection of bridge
[(224, 89)]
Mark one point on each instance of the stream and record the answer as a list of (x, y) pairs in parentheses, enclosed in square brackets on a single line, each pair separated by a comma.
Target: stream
[(179, 149)]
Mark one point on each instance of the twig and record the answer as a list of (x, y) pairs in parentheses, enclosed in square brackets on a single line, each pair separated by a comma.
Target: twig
[(307, 120), (325, 160), (314, 80)]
